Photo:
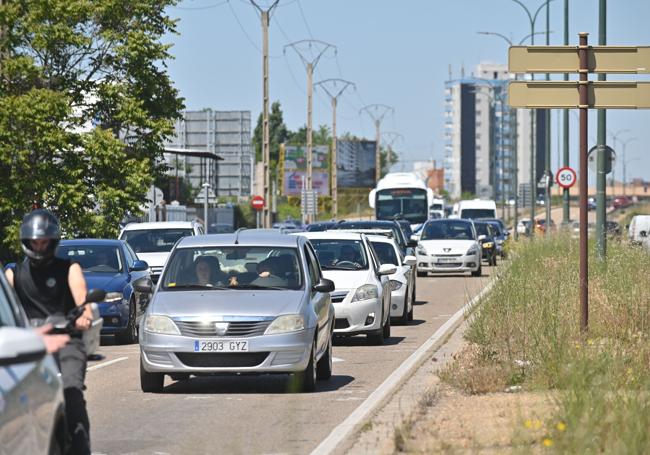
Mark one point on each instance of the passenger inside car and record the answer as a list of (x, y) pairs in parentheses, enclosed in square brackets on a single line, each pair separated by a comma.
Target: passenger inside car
[(208, 271)]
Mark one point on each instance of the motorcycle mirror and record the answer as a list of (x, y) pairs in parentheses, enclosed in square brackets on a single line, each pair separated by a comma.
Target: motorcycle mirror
[(95, 295)]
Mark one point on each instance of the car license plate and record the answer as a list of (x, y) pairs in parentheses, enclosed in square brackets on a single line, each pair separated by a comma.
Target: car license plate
[(446, 260), (220, 345)]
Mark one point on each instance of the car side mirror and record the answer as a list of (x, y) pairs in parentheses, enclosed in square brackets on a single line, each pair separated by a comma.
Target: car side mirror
[(143, 286), (415, 238), (95, 295), (410, 260), (324, 285), (139, 266), (386, 269), (18, 345), (482, 237)]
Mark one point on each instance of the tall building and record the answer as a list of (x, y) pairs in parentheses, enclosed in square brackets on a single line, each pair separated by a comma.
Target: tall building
[(482, 133), (223, 133)]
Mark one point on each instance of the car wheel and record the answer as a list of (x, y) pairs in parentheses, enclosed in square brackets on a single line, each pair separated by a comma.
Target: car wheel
[(386, 331), (151, 382), (410, 314), (305, 381), (404, 318), (324, 366), (479, 271), (493, 261), (130, 334)]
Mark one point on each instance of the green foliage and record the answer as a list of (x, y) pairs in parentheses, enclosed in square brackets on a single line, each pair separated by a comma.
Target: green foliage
[(68, 65), (278, 134), (466, 195), (319, 136)]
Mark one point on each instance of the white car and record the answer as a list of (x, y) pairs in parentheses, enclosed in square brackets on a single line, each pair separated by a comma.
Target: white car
[(402, 282), (449, 246), (523, 226), (153, 242), (362, 295)]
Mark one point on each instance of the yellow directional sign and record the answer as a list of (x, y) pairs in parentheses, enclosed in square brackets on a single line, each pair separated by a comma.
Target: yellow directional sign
[(564, 59), (565, 95)]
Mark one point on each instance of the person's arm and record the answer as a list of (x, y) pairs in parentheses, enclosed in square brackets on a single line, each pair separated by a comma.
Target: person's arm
[(9, 274), (78, 288)]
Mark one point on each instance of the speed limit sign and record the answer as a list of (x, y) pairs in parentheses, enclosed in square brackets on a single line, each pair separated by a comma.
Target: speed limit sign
[(566, 177)]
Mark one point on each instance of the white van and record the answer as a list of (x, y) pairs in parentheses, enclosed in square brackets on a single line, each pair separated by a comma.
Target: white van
[(639, 228), (475, 209)]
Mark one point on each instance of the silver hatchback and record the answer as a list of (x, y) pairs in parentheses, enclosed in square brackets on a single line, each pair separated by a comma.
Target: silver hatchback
[(247, 302)]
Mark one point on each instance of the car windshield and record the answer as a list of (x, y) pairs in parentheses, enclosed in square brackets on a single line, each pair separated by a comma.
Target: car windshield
[(471, 214), (482, 229), (335, 254), (447, 230), (93, 258), (385, 252), (496, 227), (154, 240), (233, 267)]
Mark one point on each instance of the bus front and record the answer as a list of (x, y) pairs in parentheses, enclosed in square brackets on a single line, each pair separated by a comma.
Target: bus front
[(410, 204)]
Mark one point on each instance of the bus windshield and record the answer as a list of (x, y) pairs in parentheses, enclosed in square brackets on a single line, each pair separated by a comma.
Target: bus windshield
[(407, 203)]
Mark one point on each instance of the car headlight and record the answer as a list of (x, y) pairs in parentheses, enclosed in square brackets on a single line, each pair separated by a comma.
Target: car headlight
[(421, 250), (285, 324), (365, 292), (394, 285), (488, 245), (155, 323), (113, 297), (472, 251)]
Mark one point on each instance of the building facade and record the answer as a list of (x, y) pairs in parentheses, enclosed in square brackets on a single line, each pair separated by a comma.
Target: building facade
[(226, 134), (483, 137)]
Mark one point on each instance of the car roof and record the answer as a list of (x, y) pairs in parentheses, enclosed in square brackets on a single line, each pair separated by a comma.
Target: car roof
[(361, 224), (159, 225), (114, 242), (381, 238), (244, 237), (327, 235)]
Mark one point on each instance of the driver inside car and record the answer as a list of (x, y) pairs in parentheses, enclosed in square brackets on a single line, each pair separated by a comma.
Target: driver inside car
[(348, 254)]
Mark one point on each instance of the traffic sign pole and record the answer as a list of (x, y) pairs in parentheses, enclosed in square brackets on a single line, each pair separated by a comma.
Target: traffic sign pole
[(584, 134)]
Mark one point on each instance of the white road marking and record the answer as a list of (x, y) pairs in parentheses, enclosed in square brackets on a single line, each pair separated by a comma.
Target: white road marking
[(105, 364), (336, 360), (397, 377)]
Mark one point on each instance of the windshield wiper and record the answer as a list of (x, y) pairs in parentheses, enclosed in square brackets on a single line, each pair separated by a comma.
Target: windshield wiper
[(257, 286), (335, 267), (196, 286)]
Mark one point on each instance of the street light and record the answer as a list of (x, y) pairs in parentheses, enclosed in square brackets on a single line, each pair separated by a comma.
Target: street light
[(625, 163), (614, 136), (532, 18)]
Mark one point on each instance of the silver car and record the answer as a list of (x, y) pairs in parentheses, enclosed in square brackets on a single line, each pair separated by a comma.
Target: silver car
[(32, 417), (247, 302)]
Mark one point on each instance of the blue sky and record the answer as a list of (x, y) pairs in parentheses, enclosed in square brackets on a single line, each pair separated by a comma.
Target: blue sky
[(397, 52)]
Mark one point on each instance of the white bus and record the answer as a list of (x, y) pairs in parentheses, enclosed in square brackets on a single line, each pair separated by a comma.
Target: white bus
[(401, 195)]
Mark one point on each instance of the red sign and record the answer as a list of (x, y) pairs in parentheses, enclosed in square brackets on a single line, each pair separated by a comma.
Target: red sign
[(257, 202), (566, 177)]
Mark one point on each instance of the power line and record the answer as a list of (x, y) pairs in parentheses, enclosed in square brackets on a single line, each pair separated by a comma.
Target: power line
[(196, 8), (250, 40), (304, 19)]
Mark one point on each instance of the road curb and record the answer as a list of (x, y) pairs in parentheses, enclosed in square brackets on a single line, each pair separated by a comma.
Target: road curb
[(380, 395)]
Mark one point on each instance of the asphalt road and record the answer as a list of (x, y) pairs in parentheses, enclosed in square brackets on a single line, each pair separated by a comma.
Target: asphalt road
[(255, 415)]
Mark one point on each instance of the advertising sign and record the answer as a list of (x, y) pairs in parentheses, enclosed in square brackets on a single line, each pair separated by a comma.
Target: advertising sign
[(295, 169), (355, 163)]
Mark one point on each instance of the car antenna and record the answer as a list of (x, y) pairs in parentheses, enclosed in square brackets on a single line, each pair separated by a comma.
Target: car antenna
[(237, 234)]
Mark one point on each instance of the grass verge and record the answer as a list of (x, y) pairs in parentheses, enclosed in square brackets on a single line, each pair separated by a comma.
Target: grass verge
[(526, 334)]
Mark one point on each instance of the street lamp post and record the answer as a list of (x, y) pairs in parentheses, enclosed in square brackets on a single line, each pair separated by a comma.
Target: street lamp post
[(532, 18), (625, 161), (614, 136)]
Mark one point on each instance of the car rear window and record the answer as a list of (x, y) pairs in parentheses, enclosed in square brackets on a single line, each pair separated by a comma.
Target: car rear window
[(154, 240)]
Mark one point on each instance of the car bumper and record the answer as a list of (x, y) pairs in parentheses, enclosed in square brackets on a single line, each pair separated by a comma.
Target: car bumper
[(397, 301), (354, 318), (282, 353), (115, 316), (465, 263)]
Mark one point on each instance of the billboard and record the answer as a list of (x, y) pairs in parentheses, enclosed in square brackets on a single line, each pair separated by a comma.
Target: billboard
[(295, 167), (355, 163)]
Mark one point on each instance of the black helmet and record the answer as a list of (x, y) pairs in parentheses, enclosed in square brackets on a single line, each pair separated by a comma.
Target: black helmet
[(40, 224)]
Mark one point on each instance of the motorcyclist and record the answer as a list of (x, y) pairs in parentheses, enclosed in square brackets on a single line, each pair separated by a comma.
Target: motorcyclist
[(46, 286)]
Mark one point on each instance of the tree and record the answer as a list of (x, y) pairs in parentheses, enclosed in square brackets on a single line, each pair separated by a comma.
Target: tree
[(277, 135), (85, 107), (319, 136)]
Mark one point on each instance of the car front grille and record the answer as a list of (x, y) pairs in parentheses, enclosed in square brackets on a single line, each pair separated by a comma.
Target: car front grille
[(447, 255), (221, 360), (235, 329), (341, 323), (449, 265)]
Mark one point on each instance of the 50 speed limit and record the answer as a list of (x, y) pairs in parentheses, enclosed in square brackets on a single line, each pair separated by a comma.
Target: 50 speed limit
[(566, 177)]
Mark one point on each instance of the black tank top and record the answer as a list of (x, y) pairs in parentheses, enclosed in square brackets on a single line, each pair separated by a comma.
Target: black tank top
[(44, 288)]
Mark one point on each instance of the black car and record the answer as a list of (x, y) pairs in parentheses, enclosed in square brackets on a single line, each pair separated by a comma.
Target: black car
[(406, 245), (406, 228), (487, 237), (320, 226), (500, 236)]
